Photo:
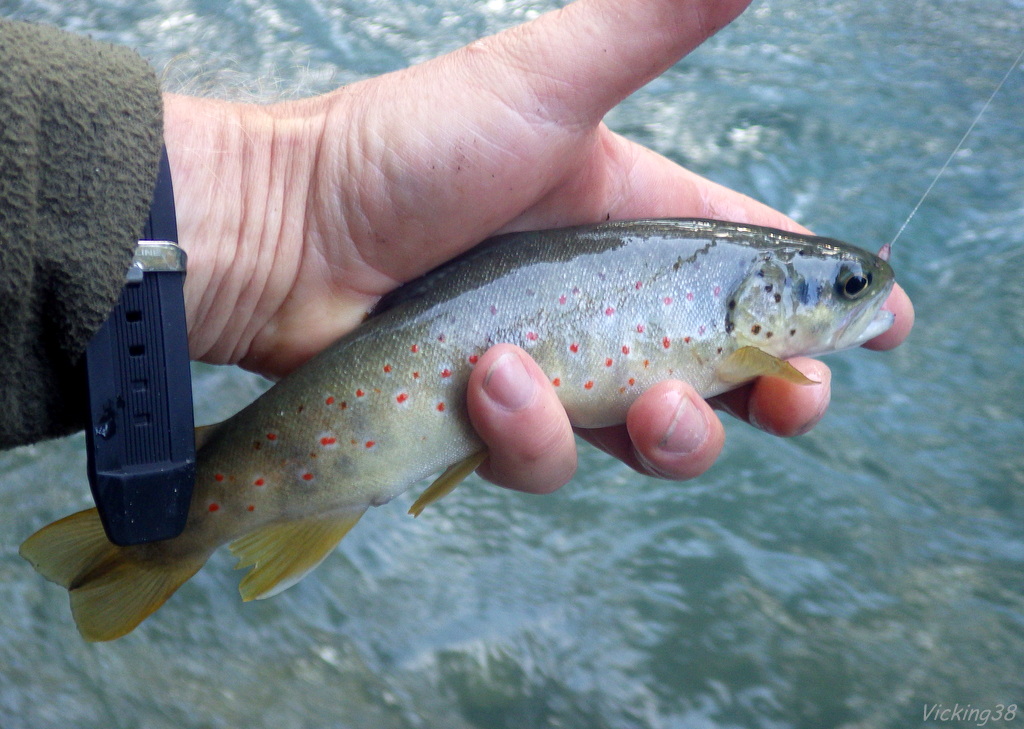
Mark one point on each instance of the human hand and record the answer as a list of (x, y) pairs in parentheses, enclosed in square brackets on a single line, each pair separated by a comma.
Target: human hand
[(298, 216)]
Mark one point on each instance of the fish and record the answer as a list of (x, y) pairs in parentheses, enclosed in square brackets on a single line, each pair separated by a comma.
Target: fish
[(606, 310)]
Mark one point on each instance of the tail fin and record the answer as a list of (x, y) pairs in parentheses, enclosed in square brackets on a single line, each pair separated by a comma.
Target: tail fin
[(112, 588)]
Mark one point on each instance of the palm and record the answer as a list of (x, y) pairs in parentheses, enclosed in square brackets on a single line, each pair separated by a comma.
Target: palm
[(512, 144)]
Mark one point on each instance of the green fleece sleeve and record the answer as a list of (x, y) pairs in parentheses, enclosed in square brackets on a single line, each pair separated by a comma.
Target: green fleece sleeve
[(80, 133)]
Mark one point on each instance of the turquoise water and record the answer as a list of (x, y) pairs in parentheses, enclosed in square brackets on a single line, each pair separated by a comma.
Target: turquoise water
[(846, 578)]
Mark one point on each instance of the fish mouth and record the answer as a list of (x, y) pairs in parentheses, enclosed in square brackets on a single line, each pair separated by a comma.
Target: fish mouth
[(851, 335)]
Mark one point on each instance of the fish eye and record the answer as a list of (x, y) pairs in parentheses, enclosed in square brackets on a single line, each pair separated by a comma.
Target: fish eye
[(853, 284)]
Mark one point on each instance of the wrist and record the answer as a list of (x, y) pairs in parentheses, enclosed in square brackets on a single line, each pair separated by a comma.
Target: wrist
[(241, 174)]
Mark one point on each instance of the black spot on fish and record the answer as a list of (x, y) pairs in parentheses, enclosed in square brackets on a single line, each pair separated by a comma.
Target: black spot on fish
[(768, 288), (769, 335), (778, 298), (729, 326), (732, 304), (756, 329), (792, 332)]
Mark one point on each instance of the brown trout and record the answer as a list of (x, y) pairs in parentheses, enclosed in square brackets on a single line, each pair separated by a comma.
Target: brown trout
[(606, 310)]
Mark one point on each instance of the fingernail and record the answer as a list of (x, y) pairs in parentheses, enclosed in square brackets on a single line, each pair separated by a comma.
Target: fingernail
[(688, 430), (509, 384)]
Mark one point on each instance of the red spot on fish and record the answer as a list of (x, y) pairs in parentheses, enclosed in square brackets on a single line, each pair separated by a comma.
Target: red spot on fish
[(562, 299), (440, 337), (271, 436), (667, 300), (251, 507), (686, 339), (639, 285), (588, 384), (689, 296), (258, 482), (414, 348), (387, 368), (473, 358), (625, 349), (700, 329), (608, 362), (631, 382), (359, 393), (214, 507), (666, 342), (647, 363), (494, 309), (344, 405), (640, 328), (532, 336), (415, 375), (446, 373), (307, 476), (718, 290), (218, 477), (609, 311), (557, 382), (327, 440), (440, 407), (329, 401), (574, 348), (370, 443), (402, 397)]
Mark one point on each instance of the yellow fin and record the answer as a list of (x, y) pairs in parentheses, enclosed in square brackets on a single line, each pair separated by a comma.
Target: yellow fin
[(282, 554), (746, 363), (205, 433), (446, 482), (112, 588)]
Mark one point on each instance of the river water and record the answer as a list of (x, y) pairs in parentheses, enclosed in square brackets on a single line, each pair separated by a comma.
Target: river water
[(853, 577)]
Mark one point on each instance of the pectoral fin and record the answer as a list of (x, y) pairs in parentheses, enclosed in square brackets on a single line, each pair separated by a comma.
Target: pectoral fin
[(746, 363), (282, 554), (447, 482)]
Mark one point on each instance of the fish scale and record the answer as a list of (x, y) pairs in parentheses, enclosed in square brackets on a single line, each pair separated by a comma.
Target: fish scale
[(606, 311)]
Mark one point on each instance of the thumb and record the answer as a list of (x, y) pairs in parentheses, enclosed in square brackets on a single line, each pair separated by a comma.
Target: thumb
[(582, 60)]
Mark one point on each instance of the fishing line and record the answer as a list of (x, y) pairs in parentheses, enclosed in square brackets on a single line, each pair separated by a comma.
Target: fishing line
[(952, 154)]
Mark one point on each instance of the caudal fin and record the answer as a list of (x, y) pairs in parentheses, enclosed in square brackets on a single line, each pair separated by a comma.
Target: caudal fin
[(112, 588)]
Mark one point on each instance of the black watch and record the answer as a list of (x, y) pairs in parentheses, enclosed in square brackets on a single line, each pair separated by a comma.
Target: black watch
[(140, 438)]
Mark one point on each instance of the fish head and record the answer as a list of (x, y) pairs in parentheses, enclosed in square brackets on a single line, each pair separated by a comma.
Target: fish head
[(809, 296)]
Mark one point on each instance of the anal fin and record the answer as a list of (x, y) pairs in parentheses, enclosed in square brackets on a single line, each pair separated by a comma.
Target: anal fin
[(746, 363), (447, 481), (282, 554)]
